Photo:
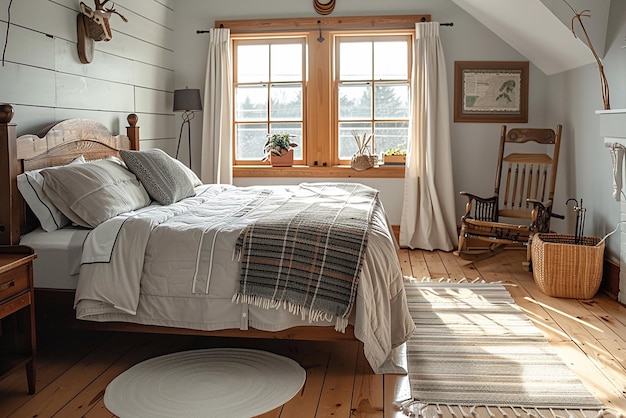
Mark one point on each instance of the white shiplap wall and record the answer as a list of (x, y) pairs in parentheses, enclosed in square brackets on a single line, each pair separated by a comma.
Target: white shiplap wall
[(45, 81)]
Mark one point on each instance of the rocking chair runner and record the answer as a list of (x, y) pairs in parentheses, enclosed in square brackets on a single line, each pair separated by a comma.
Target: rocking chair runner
[(529, 180)]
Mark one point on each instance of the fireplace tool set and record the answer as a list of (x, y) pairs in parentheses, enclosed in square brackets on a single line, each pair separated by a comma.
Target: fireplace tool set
[(580, 218)]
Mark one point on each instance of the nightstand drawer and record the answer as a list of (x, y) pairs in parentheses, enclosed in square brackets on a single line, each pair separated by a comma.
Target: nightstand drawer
[(15, 305), (13, 282)]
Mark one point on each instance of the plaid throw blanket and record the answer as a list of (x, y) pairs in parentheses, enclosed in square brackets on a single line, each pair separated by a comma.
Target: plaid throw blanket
[(307, 255)]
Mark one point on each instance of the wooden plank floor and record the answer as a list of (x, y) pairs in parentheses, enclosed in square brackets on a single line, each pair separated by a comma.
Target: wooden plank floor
[(73, 368)]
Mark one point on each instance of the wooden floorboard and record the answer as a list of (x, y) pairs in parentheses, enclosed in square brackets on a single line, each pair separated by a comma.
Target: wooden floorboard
[(74, 368)]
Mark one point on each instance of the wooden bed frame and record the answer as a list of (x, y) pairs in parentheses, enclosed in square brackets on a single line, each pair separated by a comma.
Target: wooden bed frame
[(57, 145)]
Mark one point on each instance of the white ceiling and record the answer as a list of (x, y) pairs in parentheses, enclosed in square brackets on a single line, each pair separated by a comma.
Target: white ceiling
[(536, 32)]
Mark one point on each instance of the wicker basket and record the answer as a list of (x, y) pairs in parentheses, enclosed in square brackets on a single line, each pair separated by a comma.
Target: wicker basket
[(363, 162), (564, 269)]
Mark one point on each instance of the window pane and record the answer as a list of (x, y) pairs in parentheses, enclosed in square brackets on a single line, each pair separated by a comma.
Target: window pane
[(391, 101), (250, 139), (286, 62), (391, 135), (355, 101), (347, 143), (286, 102), (294, 129), (390, 60), (251, 103), (355, 61), (253, 63)]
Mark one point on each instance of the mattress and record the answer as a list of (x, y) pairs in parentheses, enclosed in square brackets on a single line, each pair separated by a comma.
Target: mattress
[(58, 256)]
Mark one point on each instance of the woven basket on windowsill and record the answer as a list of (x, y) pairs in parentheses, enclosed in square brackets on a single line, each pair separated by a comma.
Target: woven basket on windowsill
[(363, 162), (566, 269)]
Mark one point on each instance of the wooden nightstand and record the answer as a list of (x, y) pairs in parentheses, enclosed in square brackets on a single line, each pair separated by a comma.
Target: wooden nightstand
[(17, 311)]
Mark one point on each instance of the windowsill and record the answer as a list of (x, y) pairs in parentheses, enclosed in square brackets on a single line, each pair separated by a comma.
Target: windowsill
[(342, 171)]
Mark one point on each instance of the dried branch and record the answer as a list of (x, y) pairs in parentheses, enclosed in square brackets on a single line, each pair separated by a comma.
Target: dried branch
[(603, 81), (362, 143)]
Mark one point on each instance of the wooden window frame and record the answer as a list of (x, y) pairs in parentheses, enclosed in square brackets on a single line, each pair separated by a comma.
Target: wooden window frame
[(320, 157)]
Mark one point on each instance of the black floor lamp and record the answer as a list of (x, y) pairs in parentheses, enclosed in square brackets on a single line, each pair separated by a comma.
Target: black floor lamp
[(188, 101)]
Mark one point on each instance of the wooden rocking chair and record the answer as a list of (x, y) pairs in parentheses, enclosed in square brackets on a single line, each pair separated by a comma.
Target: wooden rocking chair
[(529, 179)]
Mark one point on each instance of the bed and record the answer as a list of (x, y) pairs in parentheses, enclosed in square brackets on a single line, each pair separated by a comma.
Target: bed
[(199, 261)]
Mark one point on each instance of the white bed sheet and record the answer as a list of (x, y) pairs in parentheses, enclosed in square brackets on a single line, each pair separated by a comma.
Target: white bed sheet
[(171, 292), (58, 256)]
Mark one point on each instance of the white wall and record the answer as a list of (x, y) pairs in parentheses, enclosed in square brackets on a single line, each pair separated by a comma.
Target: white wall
[(44, 80)]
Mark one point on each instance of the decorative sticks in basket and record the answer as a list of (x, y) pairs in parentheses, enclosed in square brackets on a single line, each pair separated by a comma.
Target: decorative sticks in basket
[(362, 159)]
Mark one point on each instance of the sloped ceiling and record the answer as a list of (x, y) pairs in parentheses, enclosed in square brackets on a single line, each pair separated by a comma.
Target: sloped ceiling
[(536, 32)]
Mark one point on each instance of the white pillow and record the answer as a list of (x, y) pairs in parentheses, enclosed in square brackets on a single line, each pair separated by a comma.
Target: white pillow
[(91, 193), (30, 185)]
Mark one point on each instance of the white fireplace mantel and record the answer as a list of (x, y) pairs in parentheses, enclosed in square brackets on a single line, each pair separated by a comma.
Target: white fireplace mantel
[(613, 126), (613, 130)]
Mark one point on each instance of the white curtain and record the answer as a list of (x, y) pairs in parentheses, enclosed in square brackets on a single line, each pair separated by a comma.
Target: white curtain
[(428, 214), (217, 166)]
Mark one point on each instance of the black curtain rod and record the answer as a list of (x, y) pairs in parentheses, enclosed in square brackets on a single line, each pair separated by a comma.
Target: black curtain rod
[(326, 29)]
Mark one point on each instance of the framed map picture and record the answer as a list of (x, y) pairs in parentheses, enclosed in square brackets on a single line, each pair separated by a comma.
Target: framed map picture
[(491, 91)]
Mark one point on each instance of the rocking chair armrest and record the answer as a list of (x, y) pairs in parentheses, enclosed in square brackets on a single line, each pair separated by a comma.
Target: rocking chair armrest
[(541, 215), (488, 204), (545, 205), (471, 197)]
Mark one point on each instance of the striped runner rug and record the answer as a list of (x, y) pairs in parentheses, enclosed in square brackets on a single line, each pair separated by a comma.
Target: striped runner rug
[(475, 350)]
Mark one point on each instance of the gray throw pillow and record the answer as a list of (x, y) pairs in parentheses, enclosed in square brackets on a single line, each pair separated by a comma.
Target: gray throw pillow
[(161, 175)]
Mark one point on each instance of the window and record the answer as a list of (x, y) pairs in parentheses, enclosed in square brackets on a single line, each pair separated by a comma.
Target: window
[(372, 93), (268, 94), (322, 87)]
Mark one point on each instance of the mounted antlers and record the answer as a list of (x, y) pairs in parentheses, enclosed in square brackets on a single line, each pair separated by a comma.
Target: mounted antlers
[(98, 28), (93, 25)]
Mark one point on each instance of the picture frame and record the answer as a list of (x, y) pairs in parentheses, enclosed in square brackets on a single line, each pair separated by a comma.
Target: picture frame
[(491, 91)]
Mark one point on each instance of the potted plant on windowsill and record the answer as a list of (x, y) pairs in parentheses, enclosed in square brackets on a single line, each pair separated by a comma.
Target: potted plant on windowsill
[(394, 156), (278, 149)]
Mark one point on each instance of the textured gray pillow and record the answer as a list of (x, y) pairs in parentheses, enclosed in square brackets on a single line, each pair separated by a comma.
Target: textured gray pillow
[(161, 175), (193, 177), (91, 193)]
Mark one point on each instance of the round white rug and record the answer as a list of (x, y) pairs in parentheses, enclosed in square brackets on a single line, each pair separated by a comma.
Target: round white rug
[(222, 382)]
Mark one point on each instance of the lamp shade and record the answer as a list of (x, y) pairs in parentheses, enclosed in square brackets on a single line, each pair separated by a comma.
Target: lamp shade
[(187, 99)]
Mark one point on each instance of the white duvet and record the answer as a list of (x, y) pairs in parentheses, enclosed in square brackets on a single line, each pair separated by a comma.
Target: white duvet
[(173, 266)]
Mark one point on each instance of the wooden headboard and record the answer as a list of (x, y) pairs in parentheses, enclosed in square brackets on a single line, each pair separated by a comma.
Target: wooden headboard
[(58, 144)]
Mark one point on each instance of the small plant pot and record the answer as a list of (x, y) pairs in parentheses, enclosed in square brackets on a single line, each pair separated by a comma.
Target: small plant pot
[(394, 159), (284, 160)]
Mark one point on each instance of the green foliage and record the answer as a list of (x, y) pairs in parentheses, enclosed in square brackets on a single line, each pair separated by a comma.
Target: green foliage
[(395, 151), (278, 143)]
